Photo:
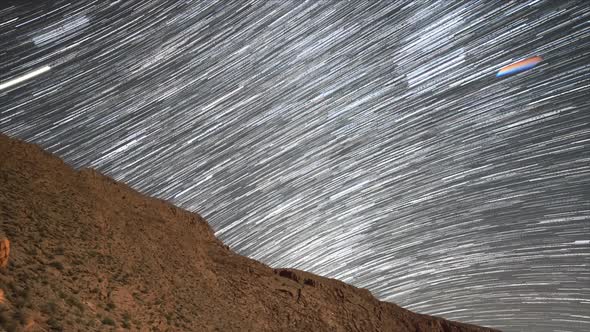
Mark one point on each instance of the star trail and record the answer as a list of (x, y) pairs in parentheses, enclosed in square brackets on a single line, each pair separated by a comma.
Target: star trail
[(365, 141)]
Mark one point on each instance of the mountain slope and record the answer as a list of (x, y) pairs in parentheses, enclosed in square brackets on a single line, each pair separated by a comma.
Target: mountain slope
[(88, 253)]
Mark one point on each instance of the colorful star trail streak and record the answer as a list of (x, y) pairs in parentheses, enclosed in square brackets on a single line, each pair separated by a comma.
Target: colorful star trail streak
[(519, 66)]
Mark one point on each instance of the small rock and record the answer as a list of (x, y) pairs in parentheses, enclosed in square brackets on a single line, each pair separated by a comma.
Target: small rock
[(4, 252)]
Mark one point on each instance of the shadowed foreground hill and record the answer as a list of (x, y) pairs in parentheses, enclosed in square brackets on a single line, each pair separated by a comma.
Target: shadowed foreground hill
[(88, 253)]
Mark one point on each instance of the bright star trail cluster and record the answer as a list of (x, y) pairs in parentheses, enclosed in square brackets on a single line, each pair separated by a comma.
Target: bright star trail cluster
[(366, 141)]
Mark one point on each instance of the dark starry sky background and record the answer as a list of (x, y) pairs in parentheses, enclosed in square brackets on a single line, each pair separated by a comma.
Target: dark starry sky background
[(369, 142)]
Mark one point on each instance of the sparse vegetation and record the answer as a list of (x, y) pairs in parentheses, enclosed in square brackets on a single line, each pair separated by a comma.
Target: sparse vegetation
[(57, 265), (49, 308), (108, 321), (110, 306), (54, 324), (6, 321), (21, 316), (74, 302), (20, 302)]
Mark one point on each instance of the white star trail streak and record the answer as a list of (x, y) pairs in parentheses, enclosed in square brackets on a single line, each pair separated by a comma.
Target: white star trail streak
[(368, 142)]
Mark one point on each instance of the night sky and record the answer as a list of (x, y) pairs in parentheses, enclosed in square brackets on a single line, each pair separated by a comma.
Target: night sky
[(368, 142)]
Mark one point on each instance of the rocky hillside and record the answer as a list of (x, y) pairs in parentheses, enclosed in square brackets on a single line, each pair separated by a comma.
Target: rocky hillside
[(88, 253)]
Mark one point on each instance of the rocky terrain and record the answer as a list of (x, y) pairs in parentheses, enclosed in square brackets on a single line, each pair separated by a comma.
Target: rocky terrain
[(82, 252)]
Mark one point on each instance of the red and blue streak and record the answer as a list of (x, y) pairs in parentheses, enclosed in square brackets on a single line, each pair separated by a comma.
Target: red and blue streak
[(519, 66)]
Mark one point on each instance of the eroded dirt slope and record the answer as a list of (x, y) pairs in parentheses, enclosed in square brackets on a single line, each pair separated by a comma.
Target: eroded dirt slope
[(88, 253)]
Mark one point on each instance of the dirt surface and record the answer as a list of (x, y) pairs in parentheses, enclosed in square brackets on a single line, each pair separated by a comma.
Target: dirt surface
[(88, 253)]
